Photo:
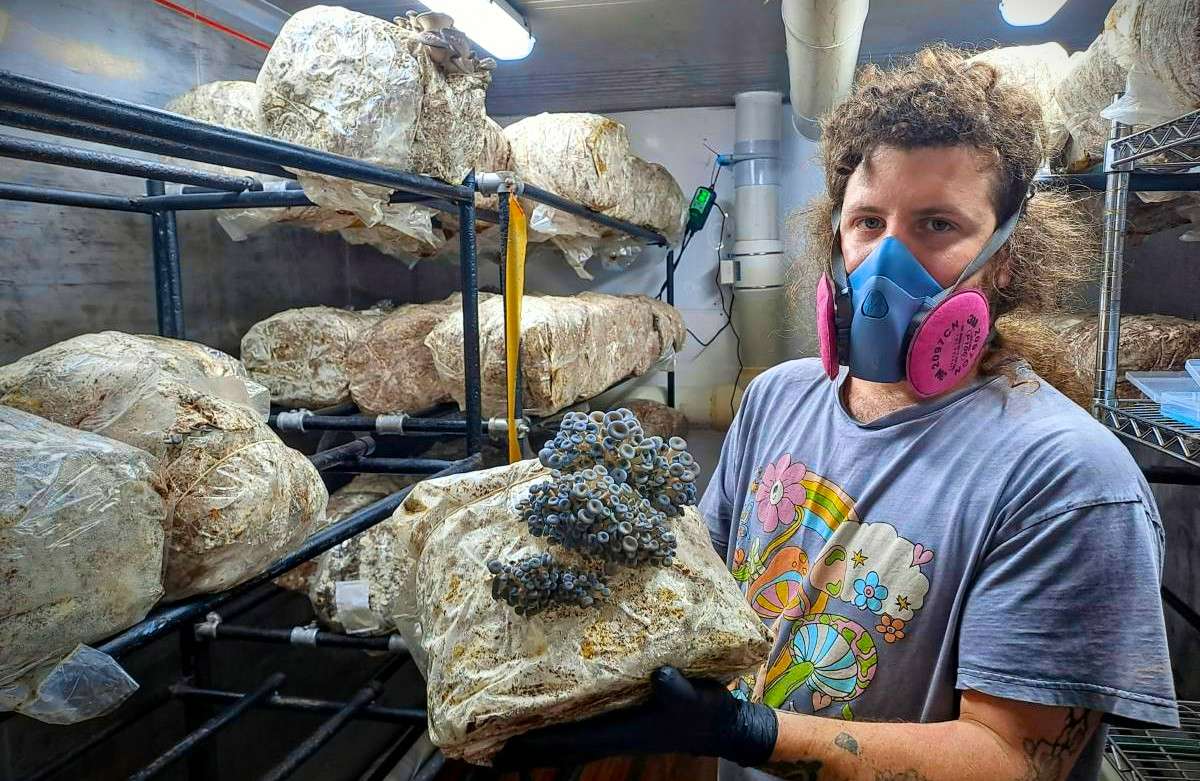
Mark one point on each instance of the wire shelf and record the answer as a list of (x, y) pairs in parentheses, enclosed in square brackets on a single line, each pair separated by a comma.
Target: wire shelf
[(1143, 421), (1158, 754), (1175, 143)]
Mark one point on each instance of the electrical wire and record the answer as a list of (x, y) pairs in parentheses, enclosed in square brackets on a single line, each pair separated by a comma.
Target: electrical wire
[(714, 177), (717, 281), (738, 351), (687, 238)]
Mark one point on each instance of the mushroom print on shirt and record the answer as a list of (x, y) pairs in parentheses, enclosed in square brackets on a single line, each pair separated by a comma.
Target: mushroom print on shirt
[(960, 543), (862, 576)]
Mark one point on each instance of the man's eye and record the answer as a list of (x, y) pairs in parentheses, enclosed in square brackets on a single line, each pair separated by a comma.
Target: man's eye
[(940, 226), (871, 223)]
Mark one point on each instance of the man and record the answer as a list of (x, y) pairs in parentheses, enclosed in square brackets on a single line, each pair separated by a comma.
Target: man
[(959, 566)]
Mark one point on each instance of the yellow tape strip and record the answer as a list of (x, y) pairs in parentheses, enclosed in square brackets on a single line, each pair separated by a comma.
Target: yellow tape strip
[(514, 288)]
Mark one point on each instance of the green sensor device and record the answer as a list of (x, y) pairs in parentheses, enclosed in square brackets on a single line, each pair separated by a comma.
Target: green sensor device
[(700, 208)]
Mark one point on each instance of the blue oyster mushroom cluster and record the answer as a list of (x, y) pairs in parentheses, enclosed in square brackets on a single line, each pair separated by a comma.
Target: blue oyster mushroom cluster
[(610, 494), (592, 513), (664, 472), (534, 584)]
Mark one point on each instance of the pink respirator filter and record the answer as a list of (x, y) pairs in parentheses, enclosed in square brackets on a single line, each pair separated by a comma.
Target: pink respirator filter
[(826, 330), (947, 344)]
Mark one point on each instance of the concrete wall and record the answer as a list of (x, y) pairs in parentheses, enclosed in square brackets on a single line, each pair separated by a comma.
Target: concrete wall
[(66, 271)]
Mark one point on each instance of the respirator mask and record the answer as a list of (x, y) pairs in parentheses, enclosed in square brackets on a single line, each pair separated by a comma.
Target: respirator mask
[(890, 320)]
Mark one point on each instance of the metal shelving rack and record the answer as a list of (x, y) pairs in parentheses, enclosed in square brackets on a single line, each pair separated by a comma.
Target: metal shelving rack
[(1156, 159), (1164, 152), (1158, 754), (62, 112)]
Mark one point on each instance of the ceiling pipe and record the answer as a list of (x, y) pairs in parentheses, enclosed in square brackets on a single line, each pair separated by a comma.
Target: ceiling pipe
[(823, 38)]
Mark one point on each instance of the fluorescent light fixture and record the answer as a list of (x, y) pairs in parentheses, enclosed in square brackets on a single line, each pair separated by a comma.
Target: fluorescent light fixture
[(1029, 13), (492, 24)]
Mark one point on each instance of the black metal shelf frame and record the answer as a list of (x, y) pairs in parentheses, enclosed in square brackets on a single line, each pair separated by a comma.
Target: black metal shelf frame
[(59, 111)]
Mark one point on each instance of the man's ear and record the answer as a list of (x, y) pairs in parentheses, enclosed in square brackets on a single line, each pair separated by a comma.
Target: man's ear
[(1003, 277), (1001, 273)]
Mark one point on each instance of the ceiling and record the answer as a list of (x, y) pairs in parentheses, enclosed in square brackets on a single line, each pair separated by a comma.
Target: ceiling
[(621, 55)]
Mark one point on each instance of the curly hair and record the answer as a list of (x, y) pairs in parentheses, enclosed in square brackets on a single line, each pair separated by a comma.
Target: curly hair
[(939, 98)]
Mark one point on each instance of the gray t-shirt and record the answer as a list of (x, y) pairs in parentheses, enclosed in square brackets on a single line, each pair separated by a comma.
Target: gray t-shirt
[(996, 539)]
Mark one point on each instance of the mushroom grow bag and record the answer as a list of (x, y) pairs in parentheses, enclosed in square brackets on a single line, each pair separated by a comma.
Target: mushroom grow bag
[(572, 347), (1092, 77), (302, 355), (1038, 70), (237, 498), (491, 674), (586, 158), (359, 86), (81, 541), (1150, 51), (391, 369), (235, 105), (1061, 348), (356, 581)]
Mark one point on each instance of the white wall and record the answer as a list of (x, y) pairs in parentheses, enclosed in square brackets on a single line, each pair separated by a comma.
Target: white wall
[(676, 138)]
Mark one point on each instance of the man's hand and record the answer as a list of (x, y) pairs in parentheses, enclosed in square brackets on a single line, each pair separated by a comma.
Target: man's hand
[(682, 716)]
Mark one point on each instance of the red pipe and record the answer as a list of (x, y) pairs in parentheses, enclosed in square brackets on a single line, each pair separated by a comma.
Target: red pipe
[(213, 23)]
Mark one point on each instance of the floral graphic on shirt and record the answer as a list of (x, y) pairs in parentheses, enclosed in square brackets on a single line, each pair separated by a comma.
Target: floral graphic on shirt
[(888, 570), (859, 559), (743, 687), (869, 593), (780, 493), (892, 629)]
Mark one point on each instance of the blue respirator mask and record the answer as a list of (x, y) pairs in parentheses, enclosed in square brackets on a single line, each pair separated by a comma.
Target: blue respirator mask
[(889, 320)]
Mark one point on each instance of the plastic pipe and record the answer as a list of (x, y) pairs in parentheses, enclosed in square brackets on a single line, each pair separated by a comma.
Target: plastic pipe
[(761, 308), (823, 38)]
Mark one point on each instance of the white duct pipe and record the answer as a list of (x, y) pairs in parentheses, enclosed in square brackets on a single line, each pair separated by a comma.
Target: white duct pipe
[(757, 249), (759, 273), (823, 38)]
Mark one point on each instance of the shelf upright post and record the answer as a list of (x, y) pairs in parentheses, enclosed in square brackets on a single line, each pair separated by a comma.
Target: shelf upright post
[(1116, 199), (469, 271), (196, 665), (168, 288), (671, 301)]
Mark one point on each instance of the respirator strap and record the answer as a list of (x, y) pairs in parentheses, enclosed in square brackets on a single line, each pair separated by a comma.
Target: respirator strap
[(841, 279), (993, 245)]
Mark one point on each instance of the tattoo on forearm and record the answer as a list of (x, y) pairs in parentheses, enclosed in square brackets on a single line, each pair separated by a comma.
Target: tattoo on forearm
[(904, 775), (796, 771), (1047, 760), (845, 740)]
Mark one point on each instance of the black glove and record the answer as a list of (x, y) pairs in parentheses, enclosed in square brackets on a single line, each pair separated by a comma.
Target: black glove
[(682, 716)]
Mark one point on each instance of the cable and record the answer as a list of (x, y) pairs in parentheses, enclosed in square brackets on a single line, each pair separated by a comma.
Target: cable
[(738, 351), (687, 238), (717, 281)]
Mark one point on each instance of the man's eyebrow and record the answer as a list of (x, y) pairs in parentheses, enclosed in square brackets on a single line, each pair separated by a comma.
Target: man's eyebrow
[(937, 209), (928, 211)]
